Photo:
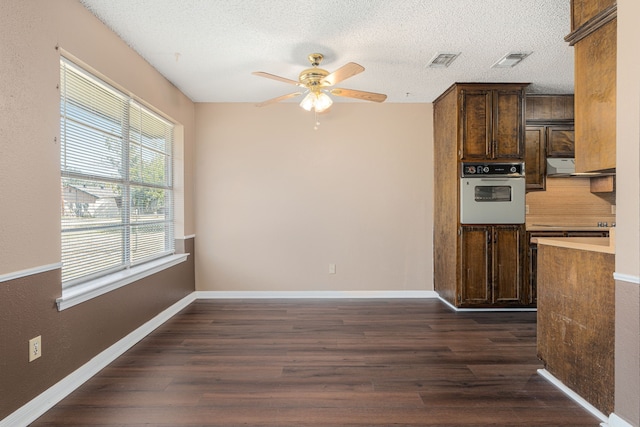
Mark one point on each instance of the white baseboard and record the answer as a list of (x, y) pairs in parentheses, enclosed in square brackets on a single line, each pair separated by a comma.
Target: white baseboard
[(573, 395), (475, 310), (46, 400), (627, 278), (314, 294), (616, 421)]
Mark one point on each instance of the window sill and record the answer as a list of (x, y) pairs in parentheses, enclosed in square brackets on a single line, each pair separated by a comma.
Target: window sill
[(94, 288)]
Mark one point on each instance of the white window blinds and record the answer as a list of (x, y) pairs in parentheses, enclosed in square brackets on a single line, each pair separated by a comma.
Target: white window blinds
[(116, 165)]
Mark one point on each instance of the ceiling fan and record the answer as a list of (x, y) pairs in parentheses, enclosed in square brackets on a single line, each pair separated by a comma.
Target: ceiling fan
[(318, 83)]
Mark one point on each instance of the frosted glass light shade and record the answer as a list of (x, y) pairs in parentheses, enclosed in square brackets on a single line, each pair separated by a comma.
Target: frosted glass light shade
[(316, 100), (323, 101)]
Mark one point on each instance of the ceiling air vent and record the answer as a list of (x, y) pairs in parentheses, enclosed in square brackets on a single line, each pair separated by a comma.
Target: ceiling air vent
[(511, 59), (442, 59)]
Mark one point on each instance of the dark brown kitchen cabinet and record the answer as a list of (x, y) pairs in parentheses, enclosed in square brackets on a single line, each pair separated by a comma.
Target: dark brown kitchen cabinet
[(542, 141), (560, 141), (492, 122), (491, 266), (467, 117), (535, 160), (549, 133)]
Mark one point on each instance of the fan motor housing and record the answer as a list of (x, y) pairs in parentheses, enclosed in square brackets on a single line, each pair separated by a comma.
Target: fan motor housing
[(313, 76)]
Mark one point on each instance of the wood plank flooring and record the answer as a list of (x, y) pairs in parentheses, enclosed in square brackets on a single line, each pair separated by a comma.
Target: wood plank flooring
[(326, 363)]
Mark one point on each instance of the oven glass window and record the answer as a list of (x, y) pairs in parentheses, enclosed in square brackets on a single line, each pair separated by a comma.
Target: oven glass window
[(492, 193)]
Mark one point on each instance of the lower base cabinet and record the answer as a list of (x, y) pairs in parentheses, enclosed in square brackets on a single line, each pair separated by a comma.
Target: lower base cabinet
[(532, 256), (491, 263)]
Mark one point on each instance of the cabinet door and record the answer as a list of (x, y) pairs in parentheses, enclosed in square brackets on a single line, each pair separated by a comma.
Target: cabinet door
[(584, 10), (535, 158), (595, 99), (560, 141), (507, 265), (475, 260), (532, 277), (475, 126), (508, 124)]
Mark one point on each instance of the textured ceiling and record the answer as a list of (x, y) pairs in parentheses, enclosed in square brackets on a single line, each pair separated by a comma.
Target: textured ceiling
[(208, 48)]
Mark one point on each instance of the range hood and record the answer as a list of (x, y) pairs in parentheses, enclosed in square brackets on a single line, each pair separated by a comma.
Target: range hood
[(560, 167), (565, 168)]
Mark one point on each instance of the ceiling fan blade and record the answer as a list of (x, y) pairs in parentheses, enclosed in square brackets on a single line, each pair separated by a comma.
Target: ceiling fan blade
[(278, 99), (359, 94), (274, 77), (343, 73)]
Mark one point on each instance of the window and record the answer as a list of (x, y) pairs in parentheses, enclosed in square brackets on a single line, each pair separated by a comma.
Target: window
[(116, 179)]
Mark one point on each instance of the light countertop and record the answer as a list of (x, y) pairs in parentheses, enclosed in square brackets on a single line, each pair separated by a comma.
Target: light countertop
[(556, 227), (595, 244)]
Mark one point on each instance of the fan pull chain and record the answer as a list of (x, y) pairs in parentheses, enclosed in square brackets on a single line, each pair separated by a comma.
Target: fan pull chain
[(315, 114)]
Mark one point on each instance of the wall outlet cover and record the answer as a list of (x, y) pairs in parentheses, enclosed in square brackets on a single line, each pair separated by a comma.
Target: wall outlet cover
[(35, 348)]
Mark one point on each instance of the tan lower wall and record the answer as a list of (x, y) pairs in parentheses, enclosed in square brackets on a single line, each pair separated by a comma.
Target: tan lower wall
[(278, 201), (627, 351), (72, 337)]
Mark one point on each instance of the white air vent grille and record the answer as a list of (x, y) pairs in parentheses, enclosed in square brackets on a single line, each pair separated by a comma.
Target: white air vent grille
[(442, 59), (511, 59)]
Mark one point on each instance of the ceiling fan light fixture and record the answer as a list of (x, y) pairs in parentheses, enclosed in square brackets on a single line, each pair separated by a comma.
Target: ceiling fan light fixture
[(317, 101), (323, 102), (308, 101), (511, 59)]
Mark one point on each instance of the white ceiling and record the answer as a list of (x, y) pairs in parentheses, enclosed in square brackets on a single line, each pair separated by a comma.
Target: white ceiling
[(208, 48)]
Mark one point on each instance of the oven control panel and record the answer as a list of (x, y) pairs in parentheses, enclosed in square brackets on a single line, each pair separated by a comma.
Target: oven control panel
[(493, 169)]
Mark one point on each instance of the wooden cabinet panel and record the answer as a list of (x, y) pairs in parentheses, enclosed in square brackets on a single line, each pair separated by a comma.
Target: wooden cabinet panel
[(492, 123), (535, 161), (549, 133), (531, 262), (508, 137), (476, 124), (475, 260), (546, 108), (507, 265), (595, 100), (491, 266), (576, 321), (560, 141), (584, 10)]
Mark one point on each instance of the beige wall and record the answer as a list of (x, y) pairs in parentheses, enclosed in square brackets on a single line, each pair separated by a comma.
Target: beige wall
[(29, 118), (627, 404), (30, 197), (277, 202)]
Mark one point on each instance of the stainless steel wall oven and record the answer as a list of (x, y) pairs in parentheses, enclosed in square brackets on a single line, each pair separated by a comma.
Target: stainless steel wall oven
[(492, 193)]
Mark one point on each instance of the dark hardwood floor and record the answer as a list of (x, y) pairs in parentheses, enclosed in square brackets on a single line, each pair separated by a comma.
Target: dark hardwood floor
[(326, 363)]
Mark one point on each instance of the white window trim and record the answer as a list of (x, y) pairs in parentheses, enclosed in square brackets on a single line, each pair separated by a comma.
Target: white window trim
[(94, 288)]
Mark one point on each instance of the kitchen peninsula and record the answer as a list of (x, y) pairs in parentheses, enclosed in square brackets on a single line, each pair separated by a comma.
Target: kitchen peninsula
[(576, 319)]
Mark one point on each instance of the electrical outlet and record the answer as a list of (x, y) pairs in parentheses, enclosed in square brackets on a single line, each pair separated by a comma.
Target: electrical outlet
[(332, 269), (35, 348), (613, 209), (526, 209)]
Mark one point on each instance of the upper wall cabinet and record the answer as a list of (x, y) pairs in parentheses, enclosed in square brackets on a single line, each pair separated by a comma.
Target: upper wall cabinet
[(549, 133), (492, 121), (585, 10), (594, 39)]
